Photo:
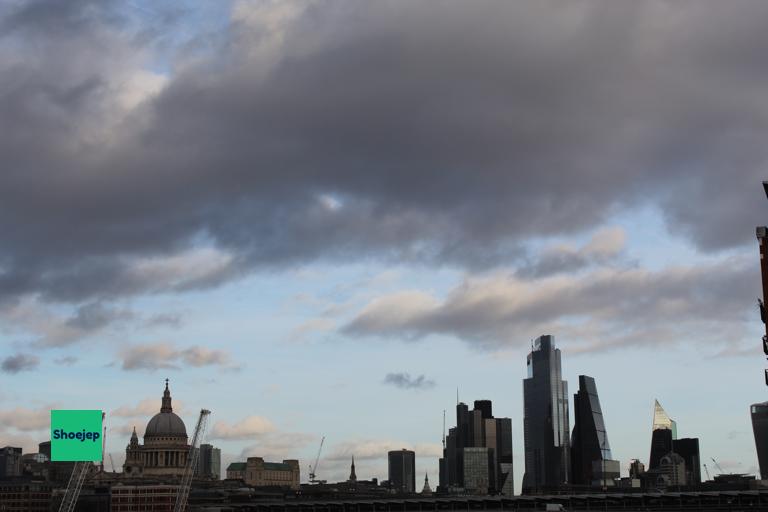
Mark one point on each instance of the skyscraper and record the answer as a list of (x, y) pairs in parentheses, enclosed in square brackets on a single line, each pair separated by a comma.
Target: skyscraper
[(493, 439), (759, 413), (209, 463), (664, 432), (545, 425), (402, 470), (589, 442)]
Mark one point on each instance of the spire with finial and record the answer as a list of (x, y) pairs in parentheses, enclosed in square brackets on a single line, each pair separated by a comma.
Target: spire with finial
[(166, 407), (352, 475), (427, 489), (134, 437)]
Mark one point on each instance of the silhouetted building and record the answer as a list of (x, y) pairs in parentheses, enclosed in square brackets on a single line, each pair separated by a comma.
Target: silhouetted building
[(589, 443), (545, 425), (664, 432), (759, 413), (209, 462), (636, 469), (478, 429), (688, 449), (10, 462), (426, 490), (352, 475), (402, 470), (45, 449)]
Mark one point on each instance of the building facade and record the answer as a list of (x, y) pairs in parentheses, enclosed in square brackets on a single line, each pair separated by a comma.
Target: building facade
[(25, 496), (209, 462), (590, 450), (10, 462), (258, 473), (143, 498), (165, 448), (759, 414), (236, 471), (545, 423), (402, 470)]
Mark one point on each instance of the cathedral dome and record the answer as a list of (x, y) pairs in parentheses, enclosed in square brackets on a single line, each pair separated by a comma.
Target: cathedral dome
[(166, 423)]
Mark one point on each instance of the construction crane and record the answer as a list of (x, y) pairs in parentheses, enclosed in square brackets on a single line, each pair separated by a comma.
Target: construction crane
[(76, 480), (112, 462), (707, 472), (718, 466), (192, 456), (313, 469)]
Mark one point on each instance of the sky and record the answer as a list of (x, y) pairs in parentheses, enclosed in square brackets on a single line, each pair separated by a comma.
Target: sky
[(326, 218)]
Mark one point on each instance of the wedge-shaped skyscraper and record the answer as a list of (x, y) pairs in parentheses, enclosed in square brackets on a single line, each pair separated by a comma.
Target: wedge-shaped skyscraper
[(591, 461)]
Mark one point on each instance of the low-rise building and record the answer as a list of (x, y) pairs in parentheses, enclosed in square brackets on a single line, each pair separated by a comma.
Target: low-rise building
[(24, 496), (259, 473), (236, 471)]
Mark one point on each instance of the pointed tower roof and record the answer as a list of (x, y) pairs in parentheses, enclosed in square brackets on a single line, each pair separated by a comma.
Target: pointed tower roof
[(661, 419), (427, 489), (352, 475), (166, 405)]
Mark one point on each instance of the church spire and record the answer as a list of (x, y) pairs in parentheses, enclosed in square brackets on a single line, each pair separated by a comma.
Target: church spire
[(427, 489), (166, 407), (352, 475)]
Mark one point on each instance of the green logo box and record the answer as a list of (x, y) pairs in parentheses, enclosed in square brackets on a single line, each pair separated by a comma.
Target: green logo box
[(75, 435)]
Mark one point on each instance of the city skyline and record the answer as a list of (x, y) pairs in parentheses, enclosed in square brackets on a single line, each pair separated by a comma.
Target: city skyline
[(319, 218)]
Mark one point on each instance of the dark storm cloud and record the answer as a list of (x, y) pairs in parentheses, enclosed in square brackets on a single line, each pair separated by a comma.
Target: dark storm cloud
[(345, 130), (19, 363), (405, 381)]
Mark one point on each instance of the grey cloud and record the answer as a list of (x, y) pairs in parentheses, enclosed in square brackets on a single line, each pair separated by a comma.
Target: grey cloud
[(603, 309), (405, 381), (157, 356), (19, 363), (66, 361), (604, 247), (395, 130)]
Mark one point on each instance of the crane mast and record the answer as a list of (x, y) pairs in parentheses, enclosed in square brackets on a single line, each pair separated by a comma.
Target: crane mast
[(76, 480), (313, 469), (192, 456)]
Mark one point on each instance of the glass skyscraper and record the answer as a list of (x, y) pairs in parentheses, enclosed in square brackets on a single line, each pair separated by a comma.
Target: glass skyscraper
[(589, 442), (545, 425), (664, 432)]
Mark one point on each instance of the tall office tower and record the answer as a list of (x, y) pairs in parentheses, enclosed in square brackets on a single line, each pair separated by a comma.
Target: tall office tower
[(463, 439), (688, 449), (402, 470), (504, 471), (209, 462), (664, 432), (589, 441), (545, 425), (485, 407), (760, 428)]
